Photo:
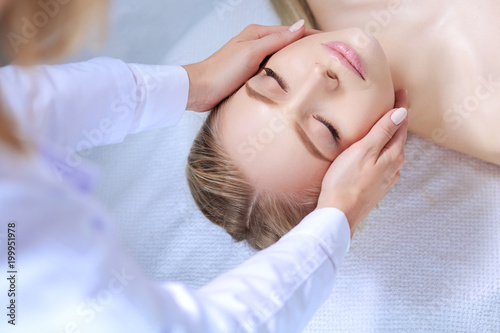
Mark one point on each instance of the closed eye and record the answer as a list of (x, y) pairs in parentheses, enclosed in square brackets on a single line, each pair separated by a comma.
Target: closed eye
[(333, 131), (282, 83)]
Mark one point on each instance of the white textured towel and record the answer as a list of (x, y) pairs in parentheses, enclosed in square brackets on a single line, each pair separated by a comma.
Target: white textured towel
[(426, 260)]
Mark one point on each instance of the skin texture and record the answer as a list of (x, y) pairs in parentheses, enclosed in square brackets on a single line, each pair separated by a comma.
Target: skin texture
[(261, 137), (445, 53), (215, 78), (239, 59), (375, 159)]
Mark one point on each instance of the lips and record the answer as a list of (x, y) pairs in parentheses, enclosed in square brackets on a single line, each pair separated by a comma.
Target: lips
[(347, 57)]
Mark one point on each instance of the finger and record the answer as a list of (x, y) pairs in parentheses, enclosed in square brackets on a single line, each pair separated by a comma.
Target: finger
[(398, 141), (310, 32), (383, 131), (394, 149), (257, 31), (276, 41)]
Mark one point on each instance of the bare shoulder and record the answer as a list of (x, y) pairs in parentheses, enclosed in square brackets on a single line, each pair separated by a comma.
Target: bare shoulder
[(466, 121)]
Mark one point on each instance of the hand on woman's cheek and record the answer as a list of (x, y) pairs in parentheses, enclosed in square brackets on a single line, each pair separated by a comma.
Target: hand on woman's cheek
[(286, 125)]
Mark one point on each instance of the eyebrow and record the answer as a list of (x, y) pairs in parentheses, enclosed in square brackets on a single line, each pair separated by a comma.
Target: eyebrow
[(308, 143), (258, 96), (300, 131)]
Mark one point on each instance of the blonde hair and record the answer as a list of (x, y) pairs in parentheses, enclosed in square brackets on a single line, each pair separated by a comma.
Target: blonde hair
[(290, 11), (40, 31), (220, 189), (227, 199)]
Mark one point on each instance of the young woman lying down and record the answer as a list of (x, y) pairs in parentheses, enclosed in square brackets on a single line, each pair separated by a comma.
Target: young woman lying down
[(257, 163)]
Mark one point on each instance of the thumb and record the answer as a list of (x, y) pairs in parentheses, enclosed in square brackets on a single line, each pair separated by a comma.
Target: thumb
[(383, 131), (276, 41)]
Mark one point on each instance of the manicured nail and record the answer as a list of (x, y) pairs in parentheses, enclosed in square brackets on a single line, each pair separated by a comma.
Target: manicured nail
[(296, 26), (399, 115)]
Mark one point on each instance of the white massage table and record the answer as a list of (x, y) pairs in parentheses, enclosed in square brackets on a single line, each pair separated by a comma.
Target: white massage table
[(426, 260)]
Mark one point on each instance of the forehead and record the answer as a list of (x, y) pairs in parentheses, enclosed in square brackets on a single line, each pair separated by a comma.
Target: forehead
[(263, 143)]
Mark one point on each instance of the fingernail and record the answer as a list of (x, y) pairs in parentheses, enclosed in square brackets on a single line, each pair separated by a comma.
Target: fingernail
[(399, 115), (296, 26)]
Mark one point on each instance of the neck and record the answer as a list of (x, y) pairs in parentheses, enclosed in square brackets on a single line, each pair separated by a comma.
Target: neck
[(413, 69)]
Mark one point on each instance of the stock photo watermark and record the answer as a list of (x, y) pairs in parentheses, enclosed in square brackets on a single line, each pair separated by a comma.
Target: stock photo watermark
[(291, 279), (223, 7), (250, 147), (454, 117), (88, 310), (381, 19), (31, 25), (11, 273), (122, 109)]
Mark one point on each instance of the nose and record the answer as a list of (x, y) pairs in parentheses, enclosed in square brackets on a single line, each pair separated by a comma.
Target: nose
[(322, 79), (319, 84)]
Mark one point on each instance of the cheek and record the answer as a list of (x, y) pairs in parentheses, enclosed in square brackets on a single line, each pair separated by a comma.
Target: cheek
[(384, 92), (379, 98), (386, 95), (289, 173), (357, 121)]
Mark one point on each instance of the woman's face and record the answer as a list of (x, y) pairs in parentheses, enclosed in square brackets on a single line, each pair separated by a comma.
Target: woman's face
[(287, 124)]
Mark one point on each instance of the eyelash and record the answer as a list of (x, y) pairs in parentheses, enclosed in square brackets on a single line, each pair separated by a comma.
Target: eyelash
[(271, 73), (330, 127), (333, 131)]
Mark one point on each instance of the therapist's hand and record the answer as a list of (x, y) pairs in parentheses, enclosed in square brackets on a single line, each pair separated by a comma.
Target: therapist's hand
[(217, 77), (362, 174)]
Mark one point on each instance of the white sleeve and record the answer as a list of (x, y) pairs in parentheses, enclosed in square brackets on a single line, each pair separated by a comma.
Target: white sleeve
[(278, 290), (92, 103), (69, 274), (281, 287)]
